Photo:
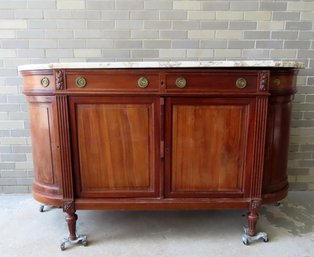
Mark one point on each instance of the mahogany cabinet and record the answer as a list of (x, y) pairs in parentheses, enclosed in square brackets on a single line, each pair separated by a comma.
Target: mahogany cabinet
[(160, 138)]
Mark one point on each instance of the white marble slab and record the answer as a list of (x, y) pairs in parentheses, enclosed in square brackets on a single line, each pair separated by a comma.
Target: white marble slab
[(164, 64)]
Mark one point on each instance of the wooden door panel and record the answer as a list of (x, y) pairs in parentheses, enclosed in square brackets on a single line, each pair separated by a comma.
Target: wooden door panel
[(208, 147), (115, 143)]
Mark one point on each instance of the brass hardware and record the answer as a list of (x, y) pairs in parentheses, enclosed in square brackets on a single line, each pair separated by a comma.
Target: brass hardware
[(181, 82), (241, 83), (44, 82), (80, 82), (142, 82), (277, 82)]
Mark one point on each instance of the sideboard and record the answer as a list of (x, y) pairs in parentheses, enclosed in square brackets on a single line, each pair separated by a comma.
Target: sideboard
[(160, 135)]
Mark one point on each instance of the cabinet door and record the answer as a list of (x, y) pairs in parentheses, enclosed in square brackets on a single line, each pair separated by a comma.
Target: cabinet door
[(207, 146), (115, 147)]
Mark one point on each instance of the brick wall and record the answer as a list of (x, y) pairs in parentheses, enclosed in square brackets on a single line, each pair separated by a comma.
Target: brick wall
[(37, 31)]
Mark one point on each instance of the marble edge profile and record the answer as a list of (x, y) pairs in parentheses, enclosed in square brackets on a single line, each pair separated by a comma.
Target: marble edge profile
[(164, 64)]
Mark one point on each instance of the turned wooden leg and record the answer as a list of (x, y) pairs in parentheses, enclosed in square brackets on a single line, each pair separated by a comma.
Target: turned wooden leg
[(250, 234), (71, 220)]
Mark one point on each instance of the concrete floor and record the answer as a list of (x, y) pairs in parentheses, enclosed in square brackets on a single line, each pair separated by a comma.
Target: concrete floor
[(24, 231)]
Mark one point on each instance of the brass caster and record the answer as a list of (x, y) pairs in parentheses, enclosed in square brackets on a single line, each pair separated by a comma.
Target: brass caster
[(247, 239), (80, 239)]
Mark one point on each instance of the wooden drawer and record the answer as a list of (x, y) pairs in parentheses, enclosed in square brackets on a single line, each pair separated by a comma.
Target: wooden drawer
[(125, 81), (212, 81)]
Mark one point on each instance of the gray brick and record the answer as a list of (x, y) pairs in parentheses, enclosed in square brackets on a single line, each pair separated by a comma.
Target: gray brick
[(310, 98), (244, 5), (99, 43), (39, 4), (21, 149), (100, 24), (9, 107), (4, 133), (18, 116), (298, 171), (116, 53), (310, 81), (43, 43), (256, 35), (29, 34), (99, 5), (158, 4), (307, 148), (241, 44), (116, 34), (15, 43), (273, 6), (20, 133), (296, 156), (71, 43), (62, 53), (115, 15), (255, 53), (297, 44), (7, 181), (85, 14), (173, 15), (215, 6), (185, 25), (128, 44), (299, 25), (173, 34), (212, 44), (6, 166), (243, 25), (143, 53), (144, 15), (284, 35), (159, 25), (61, 34), (185, 44), (306, 54), (283, 16), (13, 157), (24, 181), (144, 34), (266, 44), (298, 186), (214, 25), (129, 5), (306, 163), (130, 24), (13, 173), (58, 14), (5, 149), (157, 44), (308, 115), (13, 4), (15, 189), (6, 14), (72, 24), (28, 14), (42, 24), (94, 33)]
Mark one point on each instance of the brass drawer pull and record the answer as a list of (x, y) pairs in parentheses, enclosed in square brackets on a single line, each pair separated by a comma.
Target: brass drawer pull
[(181, 82), (142, 82), (277, 82), (241, 83), (80, 82), (44, 82)]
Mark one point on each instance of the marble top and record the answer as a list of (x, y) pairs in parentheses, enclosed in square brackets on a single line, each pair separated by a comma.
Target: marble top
[(164, 64)]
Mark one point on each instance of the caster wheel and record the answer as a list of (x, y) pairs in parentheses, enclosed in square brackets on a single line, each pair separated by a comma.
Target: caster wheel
[(84, 243), (41, 208), (245, 242), (62, 247), (266, 239)]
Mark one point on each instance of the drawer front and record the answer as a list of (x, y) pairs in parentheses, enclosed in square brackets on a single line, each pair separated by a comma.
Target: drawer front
[(112, 81), (213, 81)]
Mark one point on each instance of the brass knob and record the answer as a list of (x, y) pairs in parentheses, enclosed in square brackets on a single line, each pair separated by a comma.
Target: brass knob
[(44, 82), (241, 83), (181, 82), (80, 82), (142, 82)]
